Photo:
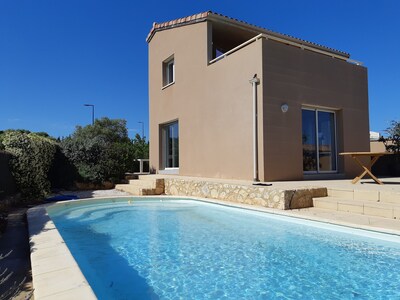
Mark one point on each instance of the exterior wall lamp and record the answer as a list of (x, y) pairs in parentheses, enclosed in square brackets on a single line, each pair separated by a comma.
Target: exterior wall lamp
[(284, 108)]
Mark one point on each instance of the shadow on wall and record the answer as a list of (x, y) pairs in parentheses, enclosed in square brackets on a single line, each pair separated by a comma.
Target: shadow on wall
[(7, 182), (388, 165)]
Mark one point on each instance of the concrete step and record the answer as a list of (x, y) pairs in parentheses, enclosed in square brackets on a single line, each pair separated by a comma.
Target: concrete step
[(365, 195), (139, 191), (145, 186), (370, 208), (149, 183), (350, 219), (129, 176), (150, 177), (389, 197)]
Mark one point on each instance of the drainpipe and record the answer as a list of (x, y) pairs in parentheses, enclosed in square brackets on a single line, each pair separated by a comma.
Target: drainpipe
[(254, 81)]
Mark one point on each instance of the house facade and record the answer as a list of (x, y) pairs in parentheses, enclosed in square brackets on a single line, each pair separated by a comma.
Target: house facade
[(232, 100)]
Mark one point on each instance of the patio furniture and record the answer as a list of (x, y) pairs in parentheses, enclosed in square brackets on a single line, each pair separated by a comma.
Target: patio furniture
[(367, 169)]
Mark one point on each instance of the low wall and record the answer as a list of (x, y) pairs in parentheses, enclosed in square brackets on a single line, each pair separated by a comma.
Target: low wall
[(266, 196)]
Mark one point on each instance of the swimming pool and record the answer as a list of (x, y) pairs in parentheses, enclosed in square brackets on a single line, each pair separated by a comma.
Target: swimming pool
[(170, 249)]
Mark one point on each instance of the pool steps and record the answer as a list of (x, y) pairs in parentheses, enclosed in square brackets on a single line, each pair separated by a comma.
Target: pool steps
[(384, 204)]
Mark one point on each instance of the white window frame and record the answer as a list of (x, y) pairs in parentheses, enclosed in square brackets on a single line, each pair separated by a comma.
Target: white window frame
[(167, 64), (164, 149)]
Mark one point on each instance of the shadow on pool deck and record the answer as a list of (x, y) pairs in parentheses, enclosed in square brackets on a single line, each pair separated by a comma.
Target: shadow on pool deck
[(16, 239)]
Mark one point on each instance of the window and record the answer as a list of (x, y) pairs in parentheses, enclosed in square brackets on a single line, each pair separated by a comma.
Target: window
[(319, 141), (168, 71), (170, 145)]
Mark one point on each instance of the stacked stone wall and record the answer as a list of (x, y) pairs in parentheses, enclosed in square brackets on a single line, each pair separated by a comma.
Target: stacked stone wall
[(266, 196)]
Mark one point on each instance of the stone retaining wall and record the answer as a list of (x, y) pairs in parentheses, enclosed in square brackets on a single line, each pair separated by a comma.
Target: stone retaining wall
[(266, 196)]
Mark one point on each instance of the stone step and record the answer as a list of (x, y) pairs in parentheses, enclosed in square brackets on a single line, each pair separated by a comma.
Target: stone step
[(128, 188), (139, 191), (149, 183), (150, 177), (148, 186), (129, 176), (145, 184), (389, 197), (370, 208), (365, 195)]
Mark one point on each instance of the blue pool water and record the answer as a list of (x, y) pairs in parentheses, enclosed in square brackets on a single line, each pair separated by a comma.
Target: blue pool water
[(183, 249)]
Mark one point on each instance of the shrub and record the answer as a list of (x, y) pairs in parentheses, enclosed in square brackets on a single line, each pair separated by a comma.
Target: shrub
[(140, 147), (392, 145), (392, 141), (32, 156), (62, 173), (100, 152)]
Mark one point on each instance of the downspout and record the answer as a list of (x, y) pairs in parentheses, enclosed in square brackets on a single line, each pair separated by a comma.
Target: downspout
[(254, 81)]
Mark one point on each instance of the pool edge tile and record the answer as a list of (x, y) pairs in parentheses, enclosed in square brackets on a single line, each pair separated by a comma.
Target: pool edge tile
[(44, 238)]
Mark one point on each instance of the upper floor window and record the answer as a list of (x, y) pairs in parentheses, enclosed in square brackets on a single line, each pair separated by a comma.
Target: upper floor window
[(169, 71)]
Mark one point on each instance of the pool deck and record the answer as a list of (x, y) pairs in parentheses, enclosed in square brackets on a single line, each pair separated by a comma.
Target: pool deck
[(56, 275)]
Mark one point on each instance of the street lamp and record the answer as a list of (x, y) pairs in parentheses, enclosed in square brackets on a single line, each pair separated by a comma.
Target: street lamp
[(142, 129), (92, 106)]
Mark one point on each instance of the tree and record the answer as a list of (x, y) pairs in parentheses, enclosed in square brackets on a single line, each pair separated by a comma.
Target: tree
[(140, 147), (392, 141), (100, 152)]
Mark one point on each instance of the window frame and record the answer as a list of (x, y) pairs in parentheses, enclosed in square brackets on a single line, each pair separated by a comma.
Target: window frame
[(334, 112), (168, 71), (164, 149)]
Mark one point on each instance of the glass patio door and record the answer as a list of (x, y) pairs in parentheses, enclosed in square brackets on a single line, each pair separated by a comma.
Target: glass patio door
[(319, 141), (170, 145)]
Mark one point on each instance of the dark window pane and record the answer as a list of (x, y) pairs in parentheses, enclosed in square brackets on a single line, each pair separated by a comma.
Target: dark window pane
[(309, 140), (326, 141)]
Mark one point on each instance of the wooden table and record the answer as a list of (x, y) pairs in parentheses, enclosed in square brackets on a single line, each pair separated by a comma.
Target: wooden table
[(367, 169)]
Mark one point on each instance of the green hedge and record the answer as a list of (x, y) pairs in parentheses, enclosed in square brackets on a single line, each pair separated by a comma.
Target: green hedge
[(100, 152), (32, 156)]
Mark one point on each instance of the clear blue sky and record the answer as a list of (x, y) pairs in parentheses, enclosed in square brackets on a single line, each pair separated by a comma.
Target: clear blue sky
[(56, 55)]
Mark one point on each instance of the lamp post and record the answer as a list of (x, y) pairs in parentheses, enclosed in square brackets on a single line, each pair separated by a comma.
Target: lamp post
[(92, 106), (142, 129)]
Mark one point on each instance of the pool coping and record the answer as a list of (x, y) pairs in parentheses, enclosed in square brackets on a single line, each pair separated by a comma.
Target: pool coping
[(55, 273)]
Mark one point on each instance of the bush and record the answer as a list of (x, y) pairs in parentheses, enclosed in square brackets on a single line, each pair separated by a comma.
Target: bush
[(392, 145), (62, 173), (392, 141), (32, 156), (100, 152)]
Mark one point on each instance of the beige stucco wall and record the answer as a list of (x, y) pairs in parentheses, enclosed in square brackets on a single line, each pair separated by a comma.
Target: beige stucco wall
[(213, 103), (377, 146), (304, 78)]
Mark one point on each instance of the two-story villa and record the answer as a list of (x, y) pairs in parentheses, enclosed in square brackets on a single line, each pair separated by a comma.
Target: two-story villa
[(232, 100)]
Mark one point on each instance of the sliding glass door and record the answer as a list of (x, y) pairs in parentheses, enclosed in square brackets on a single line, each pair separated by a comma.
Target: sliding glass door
[(170, 145), (319, 141)]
